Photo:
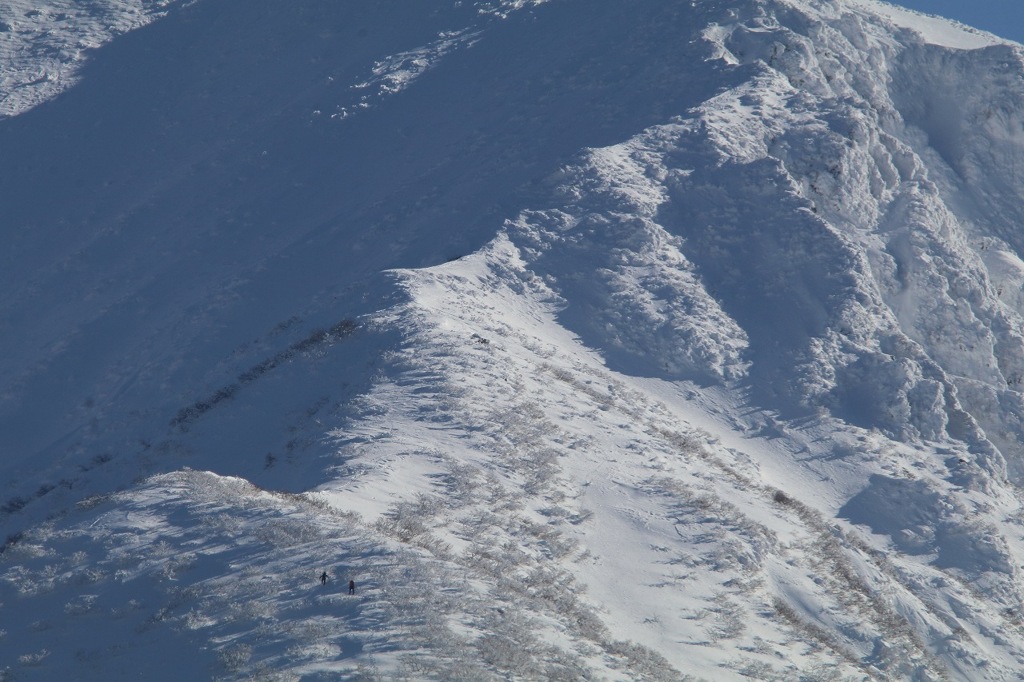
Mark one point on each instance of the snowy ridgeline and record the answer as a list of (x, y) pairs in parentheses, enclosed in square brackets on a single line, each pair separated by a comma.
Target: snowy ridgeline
[(628, 341)]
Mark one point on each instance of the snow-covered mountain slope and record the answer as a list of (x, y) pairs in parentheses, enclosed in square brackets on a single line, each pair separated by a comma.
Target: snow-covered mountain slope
[(593, 340), (44, 42)]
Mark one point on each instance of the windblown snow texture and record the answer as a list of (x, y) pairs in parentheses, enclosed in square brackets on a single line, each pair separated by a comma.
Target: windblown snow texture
[(594, 340)]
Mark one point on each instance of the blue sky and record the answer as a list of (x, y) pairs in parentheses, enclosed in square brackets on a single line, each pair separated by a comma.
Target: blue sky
[(1002, 17)]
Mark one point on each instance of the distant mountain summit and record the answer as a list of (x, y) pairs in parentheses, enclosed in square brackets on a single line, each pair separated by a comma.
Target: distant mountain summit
[(592, 340)]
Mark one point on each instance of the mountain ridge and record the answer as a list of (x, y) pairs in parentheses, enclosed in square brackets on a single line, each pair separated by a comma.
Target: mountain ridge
[(656, 341)]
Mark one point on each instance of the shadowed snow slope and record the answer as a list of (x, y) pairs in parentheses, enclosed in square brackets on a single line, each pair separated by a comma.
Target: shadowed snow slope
[(592, 339)]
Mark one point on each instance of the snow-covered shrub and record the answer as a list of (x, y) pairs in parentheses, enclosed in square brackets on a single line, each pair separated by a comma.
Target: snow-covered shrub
[(728, 622), (86, 575), (644, 663), (367, 672), (283, 532), (34, 658), (235, 657), (130, 607), (504, 653), (83, 604), (815, 633), (401, 523)]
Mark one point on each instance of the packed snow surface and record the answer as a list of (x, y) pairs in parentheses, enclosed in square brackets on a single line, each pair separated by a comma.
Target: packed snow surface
[(651, 340)]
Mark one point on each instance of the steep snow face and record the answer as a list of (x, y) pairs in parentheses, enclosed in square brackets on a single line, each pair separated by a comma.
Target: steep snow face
[(627, 286), (594, 340), (879, 179)]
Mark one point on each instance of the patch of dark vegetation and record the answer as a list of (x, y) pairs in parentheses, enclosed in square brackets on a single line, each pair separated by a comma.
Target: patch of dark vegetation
[(254, 373), (15, 504), (201, 407), (11, 541), (281, 327), (316, 339), (98, 460)]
